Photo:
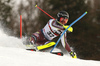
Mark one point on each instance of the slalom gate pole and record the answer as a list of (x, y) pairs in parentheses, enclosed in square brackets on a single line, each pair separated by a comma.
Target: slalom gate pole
[(20, 26), (45, 12), (68, 28)]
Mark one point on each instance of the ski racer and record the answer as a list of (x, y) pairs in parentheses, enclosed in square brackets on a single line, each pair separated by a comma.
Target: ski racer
[(42, 38)]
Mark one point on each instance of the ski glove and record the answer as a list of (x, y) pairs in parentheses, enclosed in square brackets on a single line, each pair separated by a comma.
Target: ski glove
[(73, 54), (70, 29)]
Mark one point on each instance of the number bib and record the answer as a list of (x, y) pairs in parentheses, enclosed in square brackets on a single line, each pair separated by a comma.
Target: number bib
[(50, 31)]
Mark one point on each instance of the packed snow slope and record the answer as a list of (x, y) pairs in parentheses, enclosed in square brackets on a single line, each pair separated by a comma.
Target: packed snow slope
[(13, 53)]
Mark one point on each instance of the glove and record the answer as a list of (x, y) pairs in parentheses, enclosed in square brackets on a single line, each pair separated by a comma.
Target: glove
[(73, 54), (70, 29)]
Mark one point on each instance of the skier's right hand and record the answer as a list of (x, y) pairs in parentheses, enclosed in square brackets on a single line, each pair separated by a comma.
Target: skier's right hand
[(73, 54)]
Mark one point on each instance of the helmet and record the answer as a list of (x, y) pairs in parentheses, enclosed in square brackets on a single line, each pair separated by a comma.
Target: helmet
[(63, 14)]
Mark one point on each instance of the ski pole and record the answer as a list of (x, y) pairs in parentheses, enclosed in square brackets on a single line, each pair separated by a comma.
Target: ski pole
[(67, 29)]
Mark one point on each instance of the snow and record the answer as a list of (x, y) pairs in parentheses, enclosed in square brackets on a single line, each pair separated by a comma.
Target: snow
[(20, 57), (13, 53)]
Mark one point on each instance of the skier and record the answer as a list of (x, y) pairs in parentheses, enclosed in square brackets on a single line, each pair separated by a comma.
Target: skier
[(42, 38)]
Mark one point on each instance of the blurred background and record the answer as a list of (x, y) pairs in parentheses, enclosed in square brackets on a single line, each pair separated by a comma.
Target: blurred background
[(85, 39)]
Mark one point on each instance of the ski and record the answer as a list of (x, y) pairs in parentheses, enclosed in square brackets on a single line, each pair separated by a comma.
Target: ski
[(56, 53), (31, 49)]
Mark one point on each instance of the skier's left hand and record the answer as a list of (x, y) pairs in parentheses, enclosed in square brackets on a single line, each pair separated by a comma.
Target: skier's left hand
[(73, 54), (70, 29)]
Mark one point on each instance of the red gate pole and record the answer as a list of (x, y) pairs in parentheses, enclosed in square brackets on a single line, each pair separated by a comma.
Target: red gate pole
[(20, 26)]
